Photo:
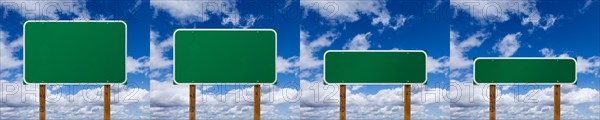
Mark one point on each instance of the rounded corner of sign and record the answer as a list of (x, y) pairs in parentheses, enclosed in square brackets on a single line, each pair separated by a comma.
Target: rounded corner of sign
[(28, 21), (325, 81), (325, 53), (25, 81), (573, 59), (124, 82), (475, 81), (122, 22), (475, 60), (175, 82), (272, 30), (175, 32), (423, 51)]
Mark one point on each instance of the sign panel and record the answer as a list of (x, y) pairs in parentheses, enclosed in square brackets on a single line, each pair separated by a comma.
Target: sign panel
[(71, 52), (224, 56), (375, 67), (530, 70)]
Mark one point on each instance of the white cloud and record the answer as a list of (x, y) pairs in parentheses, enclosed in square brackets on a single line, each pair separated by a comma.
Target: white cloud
[(594, 108), (496, 11), (288, 65), (168, 99), (585, 6), (486, 11), (508, 45), (309, 49), (547, 52), (318, 99), (48, 9), (542, 22), (137, 65), (8, 51), (590, 65), (158, 49), (349, 11), (438, 65), (359, 42), (201, 10), (19, 101), (355, 87), (472, 101), (458, 48), (400, 20)]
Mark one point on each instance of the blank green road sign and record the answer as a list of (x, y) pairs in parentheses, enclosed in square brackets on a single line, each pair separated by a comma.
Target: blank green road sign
[(520, 70), (224, 56), (73, 52), (375, 67)]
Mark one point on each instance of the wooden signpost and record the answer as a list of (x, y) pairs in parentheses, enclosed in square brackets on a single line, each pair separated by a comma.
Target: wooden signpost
[(524, 71), (225, 56), (375, 67), (74, 53)]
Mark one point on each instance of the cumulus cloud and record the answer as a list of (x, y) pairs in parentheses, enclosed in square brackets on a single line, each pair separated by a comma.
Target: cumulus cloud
[(473, 100), (585, 6), (590, 65), (158, 51), (17, 99), (288, 65), (458, 48), (139, 65), (201, 10), (309, 48), (48, 9), (438, 65), (359, 42), (168, 99), (385, 104), (508, 45), (337, 12), (349, 11), (8, 51), (486, 11)]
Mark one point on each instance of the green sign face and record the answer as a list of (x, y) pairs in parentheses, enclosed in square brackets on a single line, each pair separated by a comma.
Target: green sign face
[(375, 67), (534, 70), (224, 56), (72, 52)]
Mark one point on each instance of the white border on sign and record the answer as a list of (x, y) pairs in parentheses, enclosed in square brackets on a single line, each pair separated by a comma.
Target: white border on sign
[(107, 21), (548, 58), (325, 74), (189, 29)]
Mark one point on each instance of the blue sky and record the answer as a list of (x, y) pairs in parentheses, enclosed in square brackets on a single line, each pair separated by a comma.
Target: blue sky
[(74, 101), (224, 101), (526, 29)]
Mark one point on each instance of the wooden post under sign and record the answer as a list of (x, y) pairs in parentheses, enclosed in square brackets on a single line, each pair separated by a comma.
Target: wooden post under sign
[(256, 102), (492, 102), (42, 102), (106, 102), (342, 102), (407, 102), (556, 102), (192, 102)]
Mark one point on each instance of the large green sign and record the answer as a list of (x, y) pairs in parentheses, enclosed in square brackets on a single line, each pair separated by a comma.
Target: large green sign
[(375, 67), (224, 56), (74, 52), (524, 70)]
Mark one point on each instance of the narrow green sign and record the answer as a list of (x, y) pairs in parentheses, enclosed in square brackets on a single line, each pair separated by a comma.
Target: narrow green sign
[(519, 70), (375, 67), (224, 56), (73, 52)]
